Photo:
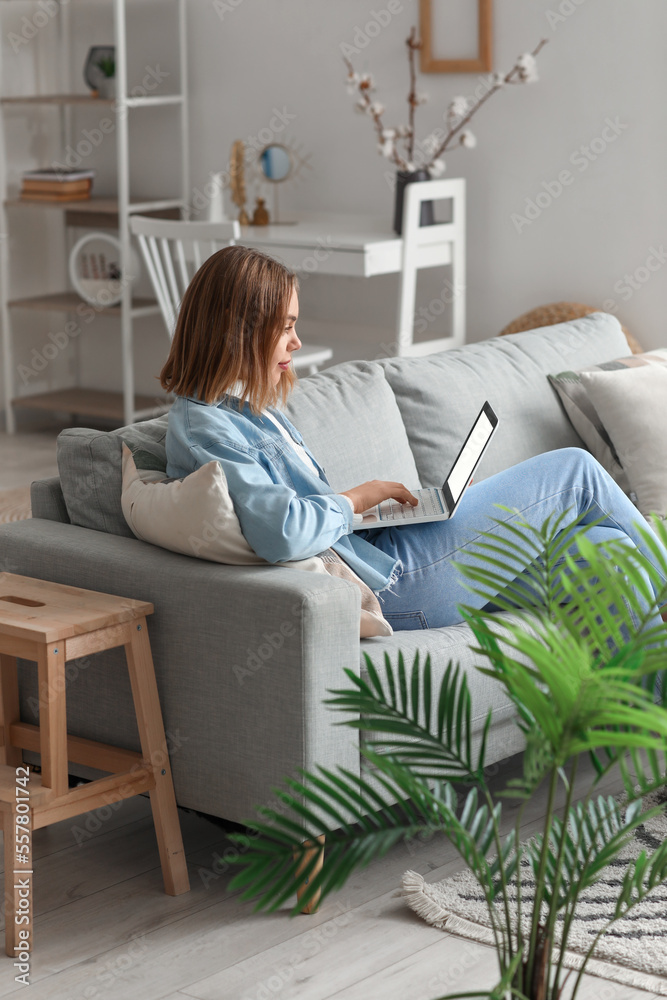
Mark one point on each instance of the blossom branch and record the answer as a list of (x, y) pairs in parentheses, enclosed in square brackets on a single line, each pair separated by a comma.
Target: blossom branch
[(514, 76), (364, 86), (413, 45), (523, 71)]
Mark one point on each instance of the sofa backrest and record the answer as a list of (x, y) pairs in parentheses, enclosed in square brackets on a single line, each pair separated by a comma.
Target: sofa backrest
[(440, 394), (89, 463), (349, 419), (401, 419), (347, 414)]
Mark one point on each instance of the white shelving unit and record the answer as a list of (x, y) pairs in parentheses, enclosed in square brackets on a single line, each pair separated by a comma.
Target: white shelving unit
[(108, 213)]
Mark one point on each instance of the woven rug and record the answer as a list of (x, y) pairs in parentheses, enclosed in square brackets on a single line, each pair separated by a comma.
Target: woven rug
[(15, 504), (632, 952)]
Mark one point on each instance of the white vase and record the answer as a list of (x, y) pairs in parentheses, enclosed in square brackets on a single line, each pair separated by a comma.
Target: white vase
[(216, 205)]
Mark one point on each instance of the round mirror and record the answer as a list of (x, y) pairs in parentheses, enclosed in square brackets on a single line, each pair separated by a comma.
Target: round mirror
[(276, 162)]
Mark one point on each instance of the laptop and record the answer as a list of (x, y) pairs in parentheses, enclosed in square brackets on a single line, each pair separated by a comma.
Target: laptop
[(439, 504)]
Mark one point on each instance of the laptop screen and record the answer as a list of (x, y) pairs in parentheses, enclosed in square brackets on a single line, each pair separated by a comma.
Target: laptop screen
[(470, 454)]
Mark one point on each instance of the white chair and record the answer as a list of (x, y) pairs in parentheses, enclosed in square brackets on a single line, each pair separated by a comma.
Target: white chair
[(173, 250), (432, 246)]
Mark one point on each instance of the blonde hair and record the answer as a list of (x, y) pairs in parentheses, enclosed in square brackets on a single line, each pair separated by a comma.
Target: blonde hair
[(229, 322)]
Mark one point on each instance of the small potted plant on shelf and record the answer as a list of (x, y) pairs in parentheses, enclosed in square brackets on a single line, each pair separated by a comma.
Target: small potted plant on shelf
[(421, 161), (584, 679), (107, 85)]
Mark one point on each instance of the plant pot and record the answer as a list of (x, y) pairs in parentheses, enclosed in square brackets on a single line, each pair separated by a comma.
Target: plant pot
[(403, 178), (107, 87)]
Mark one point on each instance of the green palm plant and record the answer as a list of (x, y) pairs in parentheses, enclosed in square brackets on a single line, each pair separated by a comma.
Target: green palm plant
[(582, 668)]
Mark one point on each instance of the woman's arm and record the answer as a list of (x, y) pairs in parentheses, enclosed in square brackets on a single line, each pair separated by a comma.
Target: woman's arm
[(277, 524)]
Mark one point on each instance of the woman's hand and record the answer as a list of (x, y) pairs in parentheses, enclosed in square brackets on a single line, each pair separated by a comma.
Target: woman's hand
[(374, 492)]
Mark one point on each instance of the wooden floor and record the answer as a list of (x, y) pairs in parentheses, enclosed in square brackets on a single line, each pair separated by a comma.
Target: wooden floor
[(26, 456), (105, 929)]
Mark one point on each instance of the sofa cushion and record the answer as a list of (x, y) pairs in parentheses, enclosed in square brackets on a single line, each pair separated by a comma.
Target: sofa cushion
[(350, 421), (571, 387), (631, 406), (90, 467), (440, 394)]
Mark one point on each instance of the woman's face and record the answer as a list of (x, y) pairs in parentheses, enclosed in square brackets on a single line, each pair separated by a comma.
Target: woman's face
[(287, 342)]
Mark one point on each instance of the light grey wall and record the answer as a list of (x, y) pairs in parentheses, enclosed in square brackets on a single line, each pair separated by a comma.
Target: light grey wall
[(604, 61)]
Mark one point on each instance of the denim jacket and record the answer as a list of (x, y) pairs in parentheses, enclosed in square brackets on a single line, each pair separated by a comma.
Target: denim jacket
[(286, 512)]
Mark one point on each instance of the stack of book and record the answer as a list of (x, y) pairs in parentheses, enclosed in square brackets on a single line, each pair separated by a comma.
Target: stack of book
[(57, 185)]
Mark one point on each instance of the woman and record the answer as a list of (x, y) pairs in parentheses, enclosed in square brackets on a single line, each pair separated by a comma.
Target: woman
[(230, 364)]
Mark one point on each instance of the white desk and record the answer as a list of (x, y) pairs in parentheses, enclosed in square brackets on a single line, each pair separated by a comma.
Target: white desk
[(362, 246), (351, 245)]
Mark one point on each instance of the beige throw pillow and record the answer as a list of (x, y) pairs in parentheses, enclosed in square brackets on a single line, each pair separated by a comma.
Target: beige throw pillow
[(632, 406), (586, 421), (195, 516)]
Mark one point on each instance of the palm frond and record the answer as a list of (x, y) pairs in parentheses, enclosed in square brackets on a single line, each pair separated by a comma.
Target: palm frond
[(432, 734), (641, 877)]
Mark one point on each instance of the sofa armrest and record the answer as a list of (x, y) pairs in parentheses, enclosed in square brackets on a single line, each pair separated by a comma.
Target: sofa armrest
[(244, 656), (47, 500)]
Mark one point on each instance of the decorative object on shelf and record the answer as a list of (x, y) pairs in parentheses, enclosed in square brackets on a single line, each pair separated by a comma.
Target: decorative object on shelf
[(260, 215), (100, 71), (482, 63), (277, 163), (399, 144), (216, 205), (94, 269), (57, 185), (560, 312), (237, 180)]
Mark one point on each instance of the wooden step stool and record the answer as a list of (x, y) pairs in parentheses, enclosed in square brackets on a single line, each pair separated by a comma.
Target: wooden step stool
[(51, 623)]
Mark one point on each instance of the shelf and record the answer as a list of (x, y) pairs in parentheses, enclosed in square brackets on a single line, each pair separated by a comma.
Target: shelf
[(70, 301), (155, 102), (59, 99), (105, 206), (91, 403), (85, 99)]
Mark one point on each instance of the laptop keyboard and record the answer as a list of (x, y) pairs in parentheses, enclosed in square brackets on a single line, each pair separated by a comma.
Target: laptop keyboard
[(430, 502)]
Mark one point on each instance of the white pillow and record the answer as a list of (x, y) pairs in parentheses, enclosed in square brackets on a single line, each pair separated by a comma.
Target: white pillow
[(195, 516), (632, 406)]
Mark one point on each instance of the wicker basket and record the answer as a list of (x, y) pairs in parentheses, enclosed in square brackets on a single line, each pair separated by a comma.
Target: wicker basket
[(560, 312)]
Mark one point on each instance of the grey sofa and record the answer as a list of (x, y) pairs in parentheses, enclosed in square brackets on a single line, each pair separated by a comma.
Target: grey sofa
[(244, 656)]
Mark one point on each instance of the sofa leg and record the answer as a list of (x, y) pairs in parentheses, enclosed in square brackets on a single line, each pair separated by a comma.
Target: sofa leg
[(311, 907)]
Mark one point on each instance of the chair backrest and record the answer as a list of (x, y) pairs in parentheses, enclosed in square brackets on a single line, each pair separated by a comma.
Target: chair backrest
[(431, 246), (173, 251)]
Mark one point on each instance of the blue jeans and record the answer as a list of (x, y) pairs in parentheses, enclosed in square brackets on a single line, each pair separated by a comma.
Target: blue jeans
[(431, 588)]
